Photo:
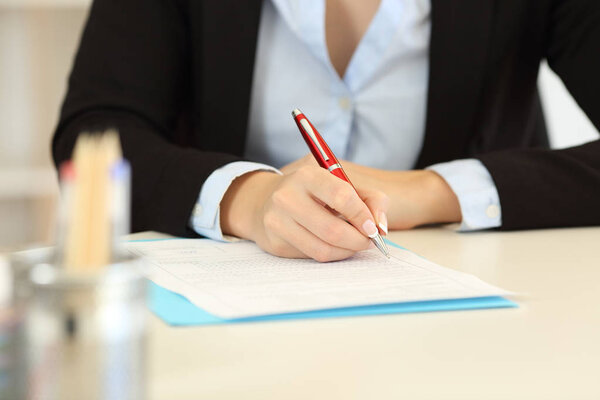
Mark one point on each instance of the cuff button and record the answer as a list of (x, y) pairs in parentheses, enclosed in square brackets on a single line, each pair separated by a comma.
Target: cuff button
[(492, 211)]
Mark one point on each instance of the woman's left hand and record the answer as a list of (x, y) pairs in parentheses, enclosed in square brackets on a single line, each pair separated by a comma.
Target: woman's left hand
[(418, 197)]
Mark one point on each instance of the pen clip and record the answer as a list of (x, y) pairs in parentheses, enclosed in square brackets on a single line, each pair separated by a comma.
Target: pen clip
[(309, 131)]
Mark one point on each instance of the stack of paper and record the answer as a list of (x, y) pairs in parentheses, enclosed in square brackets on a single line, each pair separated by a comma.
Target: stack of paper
[(238, 280)]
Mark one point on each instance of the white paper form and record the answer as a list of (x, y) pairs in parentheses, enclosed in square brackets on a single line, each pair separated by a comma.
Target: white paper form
[(238, 280)]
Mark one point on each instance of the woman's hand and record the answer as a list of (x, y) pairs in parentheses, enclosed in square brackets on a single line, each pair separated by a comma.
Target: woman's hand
[(296, 215), (416, 197)]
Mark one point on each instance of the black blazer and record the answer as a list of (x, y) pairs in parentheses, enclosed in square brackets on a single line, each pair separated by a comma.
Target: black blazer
[(174, 76)]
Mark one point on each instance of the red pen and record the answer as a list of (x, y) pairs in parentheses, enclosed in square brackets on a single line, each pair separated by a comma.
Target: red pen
[(326, 159)]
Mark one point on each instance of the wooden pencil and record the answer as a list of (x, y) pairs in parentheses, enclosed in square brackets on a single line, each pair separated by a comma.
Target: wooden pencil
[(88, 244)]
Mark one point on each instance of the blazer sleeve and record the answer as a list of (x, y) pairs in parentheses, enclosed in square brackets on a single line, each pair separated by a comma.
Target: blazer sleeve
[(558, 188), (132, 73)]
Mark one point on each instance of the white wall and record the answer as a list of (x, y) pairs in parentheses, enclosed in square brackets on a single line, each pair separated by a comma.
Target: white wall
[(36, 48), (37, 41)]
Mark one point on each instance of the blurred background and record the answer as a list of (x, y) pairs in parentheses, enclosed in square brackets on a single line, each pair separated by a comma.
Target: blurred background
[(38, 39)]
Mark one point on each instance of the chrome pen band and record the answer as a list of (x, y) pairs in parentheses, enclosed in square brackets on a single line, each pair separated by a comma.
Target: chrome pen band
[(334, 166)]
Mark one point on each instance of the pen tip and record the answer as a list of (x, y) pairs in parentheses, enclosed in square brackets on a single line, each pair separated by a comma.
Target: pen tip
[(380, 244), (296, 112)]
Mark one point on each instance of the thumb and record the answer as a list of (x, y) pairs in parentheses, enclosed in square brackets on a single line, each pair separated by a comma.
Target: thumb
[(378, 202)]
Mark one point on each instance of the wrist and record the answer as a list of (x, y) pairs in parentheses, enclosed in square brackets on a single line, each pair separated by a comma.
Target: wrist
[(419, 197), (242, 202), (440, 200)]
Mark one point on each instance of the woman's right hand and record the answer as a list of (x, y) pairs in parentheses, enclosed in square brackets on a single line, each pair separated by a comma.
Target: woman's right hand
[(291, 215)]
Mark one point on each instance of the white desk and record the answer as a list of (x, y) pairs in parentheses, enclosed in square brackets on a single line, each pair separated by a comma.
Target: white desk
[(549, 348)]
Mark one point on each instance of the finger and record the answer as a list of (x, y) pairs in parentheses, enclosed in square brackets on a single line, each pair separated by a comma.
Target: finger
[(378, 202), (288, 239), (275, 225), (281, 248), (312, 246), (340, 196), (322, 223)]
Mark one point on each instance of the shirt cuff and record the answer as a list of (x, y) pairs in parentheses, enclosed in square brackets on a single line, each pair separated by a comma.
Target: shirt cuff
[(206, 216), (476, 193)]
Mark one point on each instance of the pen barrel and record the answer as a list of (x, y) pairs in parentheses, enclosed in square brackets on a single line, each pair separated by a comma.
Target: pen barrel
[(339, 172), (319, 148), (317, 145), (317, 155)]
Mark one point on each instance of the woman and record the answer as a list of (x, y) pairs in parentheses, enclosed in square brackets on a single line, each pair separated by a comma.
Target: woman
[(198, 87)]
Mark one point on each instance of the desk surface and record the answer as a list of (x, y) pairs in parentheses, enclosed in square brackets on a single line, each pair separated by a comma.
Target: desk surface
[(549, 348)]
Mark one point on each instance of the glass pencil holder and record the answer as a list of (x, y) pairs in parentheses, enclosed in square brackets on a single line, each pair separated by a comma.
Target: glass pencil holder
[(82, 335)]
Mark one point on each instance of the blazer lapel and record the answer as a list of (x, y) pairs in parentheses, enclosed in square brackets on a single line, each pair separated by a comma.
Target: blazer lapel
[(229, 32), (460, 39)]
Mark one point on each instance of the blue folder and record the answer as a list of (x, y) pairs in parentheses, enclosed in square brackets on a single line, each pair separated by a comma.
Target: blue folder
[(176, 310)]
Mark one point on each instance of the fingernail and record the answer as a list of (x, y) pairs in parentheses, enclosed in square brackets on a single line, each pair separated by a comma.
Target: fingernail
[(383, 222), (369, 228)]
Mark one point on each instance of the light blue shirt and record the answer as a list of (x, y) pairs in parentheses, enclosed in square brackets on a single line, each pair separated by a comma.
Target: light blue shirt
[(374, 115)]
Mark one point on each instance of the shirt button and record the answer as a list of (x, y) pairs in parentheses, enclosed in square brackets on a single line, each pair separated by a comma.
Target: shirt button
[(345, 103), (492, 211), (198, 210)]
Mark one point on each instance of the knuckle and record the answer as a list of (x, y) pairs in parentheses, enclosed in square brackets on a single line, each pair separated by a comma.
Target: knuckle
[(323, 254), (360, 216), (342, 197), (271, 221), (332, 233), (305, 172), (280, 198)]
